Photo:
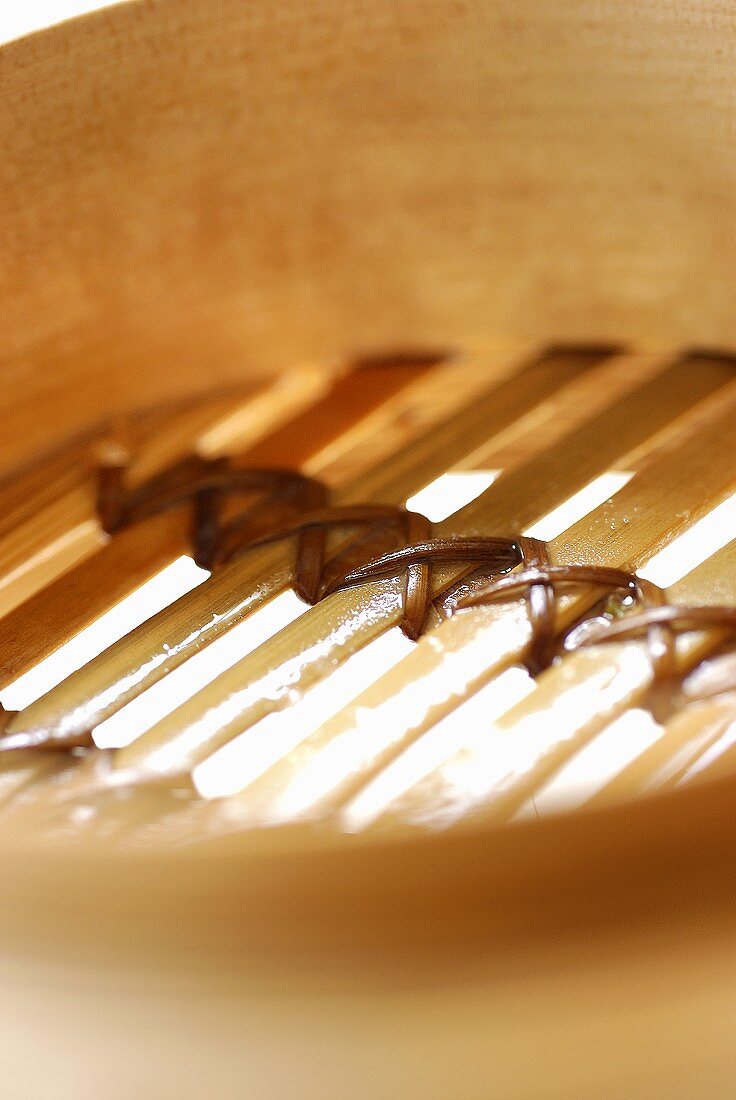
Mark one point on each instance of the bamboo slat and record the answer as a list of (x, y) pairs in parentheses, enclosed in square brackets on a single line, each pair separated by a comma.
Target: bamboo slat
[(346, 404), (33, 488), (401, 418), (271, 406), (299, 656), (580, 400), (161, 436), (245, 584), (685, 739), (56, 613), (722, 766), (51, 521)]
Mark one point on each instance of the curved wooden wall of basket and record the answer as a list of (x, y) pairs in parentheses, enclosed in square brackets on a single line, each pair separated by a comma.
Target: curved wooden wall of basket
[(208, 211), (194, 190)]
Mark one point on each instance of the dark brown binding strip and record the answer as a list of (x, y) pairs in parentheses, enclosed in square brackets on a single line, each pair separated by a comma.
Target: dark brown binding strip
[(288, 505), (280, 497), (540, 583), (537, 581), (657, 622), (660, 626), (493, 555), (383, 525)]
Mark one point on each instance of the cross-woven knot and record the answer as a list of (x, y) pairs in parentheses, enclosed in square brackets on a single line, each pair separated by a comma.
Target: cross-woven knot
[(660, 627), (276, 497), (315, 576), (486, 553), (540, 583)]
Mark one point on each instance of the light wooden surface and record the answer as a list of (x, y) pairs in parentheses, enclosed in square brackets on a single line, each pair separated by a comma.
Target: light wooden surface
[(191, 189)]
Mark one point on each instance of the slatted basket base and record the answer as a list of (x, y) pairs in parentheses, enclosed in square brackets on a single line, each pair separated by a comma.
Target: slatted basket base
[(231, 707)]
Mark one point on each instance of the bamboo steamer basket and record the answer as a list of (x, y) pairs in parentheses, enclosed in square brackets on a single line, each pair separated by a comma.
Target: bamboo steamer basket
[(196, 193)]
